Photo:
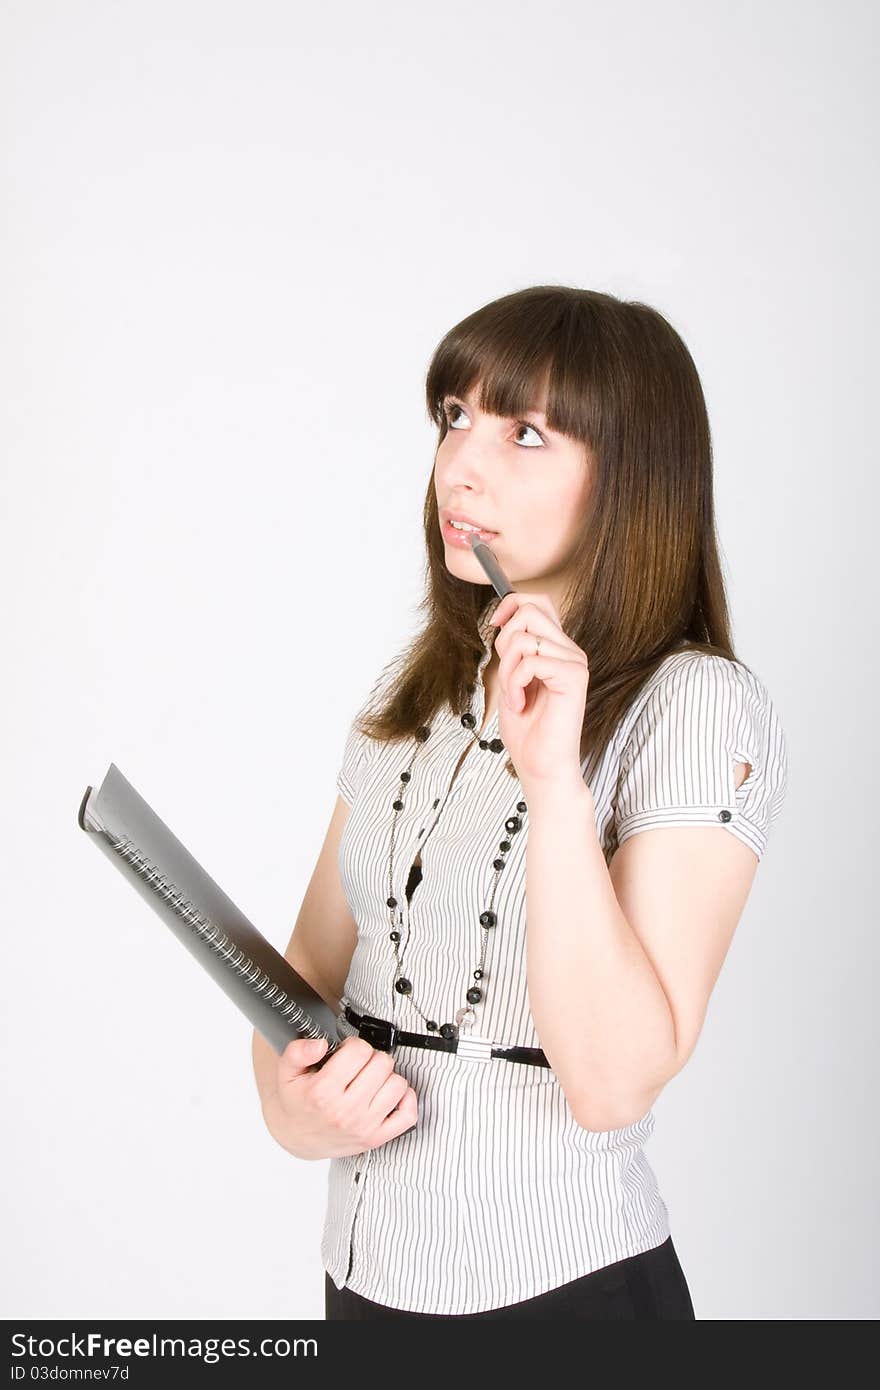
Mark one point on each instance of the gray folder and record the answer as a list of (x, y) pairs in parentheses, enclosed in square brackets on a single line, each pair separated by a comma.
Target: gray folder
[(279, 1003)]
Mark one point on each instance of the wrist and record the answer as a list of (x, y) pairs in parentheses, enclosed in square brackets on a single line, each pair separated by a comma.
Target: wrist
[(278, 1123), (567, 793)]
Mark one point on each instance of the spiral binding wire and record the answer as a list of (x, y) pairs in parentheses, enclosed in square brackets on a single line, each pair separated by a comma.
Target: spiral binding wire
[(215, 937)]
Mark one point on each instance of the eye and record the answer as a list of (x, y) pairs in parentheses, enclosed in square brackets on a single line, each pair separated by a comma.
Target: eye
[(524, 425), (450, 407)]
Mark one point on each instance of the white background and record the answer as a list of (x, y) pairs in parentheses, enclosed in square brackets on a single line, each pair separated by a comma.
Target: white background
[(233, 236)]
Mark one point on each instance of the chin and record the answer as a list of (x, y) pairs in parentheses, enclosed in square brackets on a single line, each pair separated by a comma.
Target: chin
[(466, 565)]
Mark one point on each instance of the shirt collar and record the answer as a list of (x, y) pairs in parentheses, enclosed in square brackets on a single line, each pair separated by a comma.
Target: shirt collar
[(487, 632)]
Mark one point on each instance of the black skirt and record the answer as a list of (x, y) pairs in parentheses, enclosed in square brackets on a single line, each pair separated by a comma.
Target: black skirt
[(650, 1285)]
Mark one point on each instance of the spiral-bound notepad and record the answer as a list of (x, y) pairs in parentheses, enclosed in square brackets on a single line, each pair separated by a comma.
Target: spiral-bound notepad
[(276, 999)]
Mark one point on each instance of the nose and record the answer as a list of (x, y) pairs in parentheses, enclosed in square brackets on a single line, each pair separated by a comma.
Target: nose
[(466, 467)]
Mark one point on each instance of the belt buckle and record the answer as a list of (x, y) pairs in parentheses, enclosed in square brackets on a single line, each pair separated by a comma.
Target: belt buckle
[(474, 1048), (379, 1033)]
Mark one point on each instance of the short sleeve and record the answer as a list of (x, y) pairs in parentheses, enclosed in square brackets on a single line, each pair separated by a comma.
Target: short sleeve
[(358, 748), (704, 715), (354, 761)]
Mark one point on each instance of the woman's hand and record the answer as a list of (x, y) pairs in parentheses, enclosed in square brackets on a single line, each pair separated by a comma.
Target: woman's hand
[(353, 1101), (542, 697)]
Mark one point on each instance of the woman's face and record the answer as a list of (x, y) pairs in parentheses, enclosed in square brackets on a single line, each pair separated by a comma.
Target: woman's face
[(517, 478)]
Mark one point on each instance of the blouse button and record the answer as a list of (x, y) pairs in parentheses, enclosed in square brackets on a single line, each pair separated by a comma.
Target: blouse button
[(724, 815)]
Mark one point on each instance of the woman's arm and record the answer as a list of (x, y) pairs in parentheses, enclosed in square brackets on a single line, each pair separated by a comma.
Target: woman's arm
[(622, 958), (321, 945)]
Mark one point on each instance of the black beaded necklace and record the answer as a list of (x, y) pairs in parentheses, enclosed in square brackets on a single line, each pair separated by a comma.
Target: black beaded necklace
[(465, 1016)]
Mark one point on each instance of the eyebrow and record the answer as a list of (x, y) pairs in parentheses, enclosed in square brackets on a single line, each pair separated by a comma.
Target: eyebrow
[(530, 410)]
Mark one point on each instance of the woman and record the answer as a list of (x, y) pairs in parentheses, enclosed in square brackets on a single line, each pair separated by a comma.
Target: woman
[(522, 968)]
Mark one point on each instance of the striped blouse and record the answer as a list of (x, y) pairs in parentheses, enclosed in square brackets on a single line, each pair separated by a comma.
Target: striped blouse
[(498, 1194)]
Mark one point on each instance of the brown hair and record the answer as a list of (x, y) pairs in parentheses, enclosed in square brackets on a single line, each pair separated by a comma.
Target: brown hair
[(647, 577)]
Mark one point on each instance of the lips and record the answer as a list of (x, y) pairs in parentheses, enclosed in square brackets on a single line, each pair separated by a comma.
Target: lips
[(465, 540), (468, 521)]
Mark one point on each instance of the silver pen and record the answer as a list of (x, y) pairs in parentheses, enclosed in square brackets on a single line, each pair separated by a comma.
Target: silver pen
[(494, 573)]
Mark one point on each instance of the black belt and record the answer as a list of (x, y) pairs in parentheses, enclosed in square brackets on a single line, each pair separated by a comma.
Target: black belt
[(384, 1035)]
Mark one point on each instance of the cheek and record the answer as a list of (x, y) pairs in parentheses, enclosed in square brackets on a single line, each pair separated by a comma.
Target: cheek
[(572, 508), (553, 519)]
